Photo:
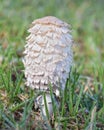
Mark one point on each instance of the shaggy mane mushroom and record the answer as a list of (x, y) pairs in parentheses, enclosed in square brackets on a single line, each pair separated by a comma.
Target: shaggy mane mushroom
[(48, 57)]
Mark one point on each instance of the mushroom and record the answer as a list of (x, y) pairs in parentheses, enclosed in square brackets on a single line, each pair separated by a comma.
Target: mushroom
[(48, 57)]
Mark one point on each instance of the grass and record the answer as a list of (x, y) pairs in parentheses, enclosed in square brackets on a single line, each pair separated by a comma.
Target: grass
[(82, 103)]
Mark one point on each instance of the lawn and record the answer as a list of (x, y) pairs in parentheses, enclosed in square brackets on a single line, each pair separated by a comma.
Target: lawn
[(82, 104)]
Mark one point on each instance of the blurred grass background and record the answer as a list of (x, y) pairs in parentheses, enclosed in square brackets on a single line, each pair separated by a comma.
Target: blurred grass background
[(87, 20), (85, 16)]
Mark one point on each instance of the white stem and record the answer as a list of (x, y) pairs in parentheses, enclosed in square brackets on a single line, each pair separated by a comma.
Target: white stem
[(39, 102)]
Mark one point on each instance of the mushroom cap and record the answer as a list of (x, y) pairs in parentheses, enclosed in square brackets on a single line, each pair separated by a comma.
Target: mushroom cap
[(48, 54), (50, 20)]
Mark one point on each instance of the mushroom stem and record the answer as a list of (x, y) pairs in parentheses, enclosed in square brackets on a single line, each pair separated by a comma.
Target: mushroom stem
[(44, 103)]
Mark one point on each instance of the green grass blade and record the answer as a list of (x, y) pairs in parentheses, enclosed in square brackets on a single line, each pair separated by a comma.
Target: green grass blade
[(17, 89), (46, 107), (9, 120), (78, 100)]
